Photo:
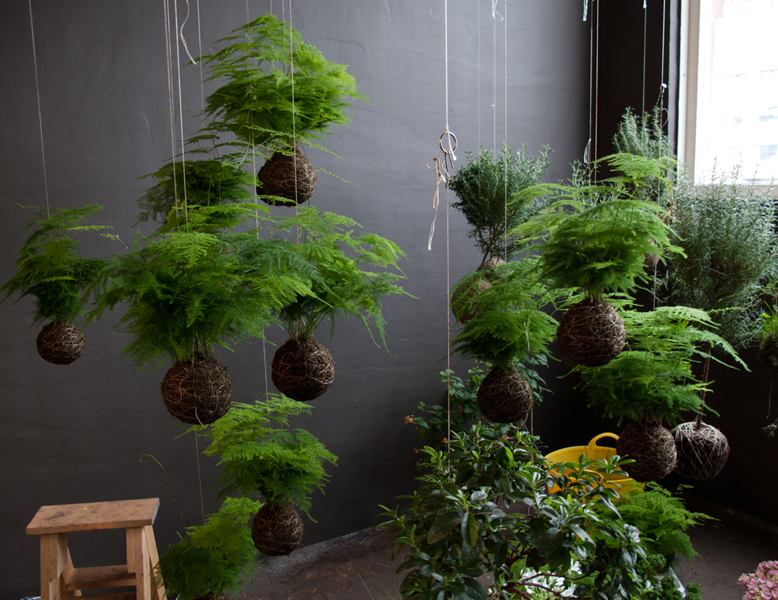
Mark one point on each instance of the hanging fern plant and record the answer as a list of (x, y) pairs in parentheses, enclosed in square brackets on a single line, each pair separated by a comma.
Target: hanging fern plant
[(50, 269), (259, 454), (346, 285), (653, 382), (594, 239), (280, 93), (188, 290), (508, 325)]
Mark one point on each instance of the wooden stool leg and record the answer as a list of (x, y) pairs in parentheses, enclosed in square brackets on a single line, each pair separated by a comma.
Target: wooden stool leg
[(157, 585), (54, 561), (138, 561)]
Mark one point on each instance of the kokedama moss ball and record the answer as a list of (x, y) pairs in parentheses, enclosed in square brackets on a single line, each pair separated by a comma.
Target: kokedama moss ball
[(768, 352), (489, 265), (277, 530), (652, 448), (303, 369), (462, 296), (288, 176), (504, 397), (651, 261), (591, 333), (197, 390), (60, 342), (702, 450)]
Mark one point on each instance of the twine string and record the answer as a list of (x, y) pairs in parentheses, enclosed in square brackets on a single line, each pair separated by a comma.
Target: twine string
[(171, 103), (40, 114), (181, 119), (181, 31)]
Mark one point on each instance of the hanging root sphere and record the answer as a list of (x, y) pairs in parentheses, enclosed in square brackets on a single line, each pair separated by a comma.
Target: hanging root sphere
[(702, 450), (504, 397), (197, 390), (277, 530), (60, 342), (652, 448), (303, 369), (462, 306), (591, 333), (768, 352), (287, 176), (488, 267), (651, 261)]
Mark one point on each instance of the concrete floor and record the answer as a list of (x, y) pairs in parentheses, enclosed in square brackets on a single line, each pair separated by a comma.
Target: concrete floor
[(359, 566)]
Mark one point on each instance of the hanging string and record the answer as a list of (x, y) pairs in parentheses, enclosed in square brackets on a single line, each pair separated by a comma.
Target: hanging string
[(200, 52), (181, 33), (596, 85), (587, 150), (40, 114), (171, 106), (505, 136), (495, 16), (645, 50), (181, 119), (294, 124)]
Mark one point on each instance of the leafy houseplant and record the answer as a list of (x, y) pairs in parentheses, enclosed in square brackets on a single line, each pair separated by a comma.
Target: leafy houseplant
[(456, 527), (303, 368), (596, 238), (508, 325), (212, 558), (260, 455), (50, 269), (280, 93), (653, 382), (188, 290)]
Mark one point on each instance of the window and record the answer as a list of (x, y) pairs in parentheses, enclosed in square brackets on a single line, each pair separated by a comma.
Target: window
[(730, 88)]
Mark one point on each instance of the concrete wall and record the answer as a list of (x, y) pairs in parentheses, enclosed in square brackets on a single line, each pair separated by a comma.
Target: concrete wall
[(79, 433)]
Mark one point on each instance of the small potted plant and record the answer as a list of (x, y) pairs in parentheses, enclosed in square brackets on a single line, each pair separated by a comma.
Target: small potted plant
[(213, 559), (485, 187), (50, 269), (303, 367), (596, 237), (508, 325), (652, 382), (260, 455), (280, 94), (187, 290)]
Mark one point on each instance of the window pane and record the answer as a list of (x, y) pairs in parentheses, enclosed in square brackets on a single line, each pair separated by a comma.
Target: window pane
[(737, 110)]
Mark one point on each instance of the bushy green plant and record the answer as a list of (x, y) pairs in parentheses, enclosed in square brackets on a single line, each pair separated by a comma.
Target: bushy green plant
[(348, 281), (187, 290), (729, 254), (662, 519), (49, 267), (261, 63), (595, 237), (508, 322), (456, 529), (655, 374), (260, 454), (484, 187), (208, 182), (212, 558)]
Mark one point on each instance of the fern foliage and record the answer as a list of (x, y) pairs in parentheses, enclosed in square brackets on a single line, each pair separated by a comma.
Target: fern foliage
[(214, 557), (208, 182), (354, 272), (261, 63), (49, 266), (509, 321), (187, 291), (484, 187), (655, 373), (259, 453), (729, 255)]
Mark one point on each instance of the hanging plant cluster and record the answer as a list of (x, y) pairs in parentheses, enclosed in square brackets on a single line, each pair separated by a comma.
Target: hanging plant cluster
[(50, 269)]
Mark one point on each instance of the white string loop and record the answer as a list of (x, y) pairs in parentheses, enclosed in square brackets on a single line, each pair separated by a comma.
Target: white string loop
[(181, 35), (495, 15)]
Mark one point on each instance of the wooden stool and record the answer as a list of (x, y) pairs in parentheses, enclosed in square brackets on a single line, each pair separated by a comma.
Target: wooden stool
[(59, 579)]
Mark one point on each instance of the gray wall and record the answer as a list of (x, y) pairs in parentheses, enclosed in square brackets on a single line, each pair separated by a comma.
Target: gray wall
[(78, 433)]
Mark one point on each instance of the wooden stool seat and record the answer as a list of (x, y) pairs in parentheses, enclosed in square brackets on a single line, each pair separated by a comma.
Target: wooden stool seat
[(60, 579)]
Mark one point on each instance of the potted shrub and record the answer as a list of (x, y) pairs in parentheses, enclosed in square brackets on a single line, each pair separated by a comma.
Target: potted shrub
[(260, 455), (652, 383), (50, 269), (280, 94), (212, 559), (187, 290), (596, 237), (508, 325), (484, 187), (303, 368)]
